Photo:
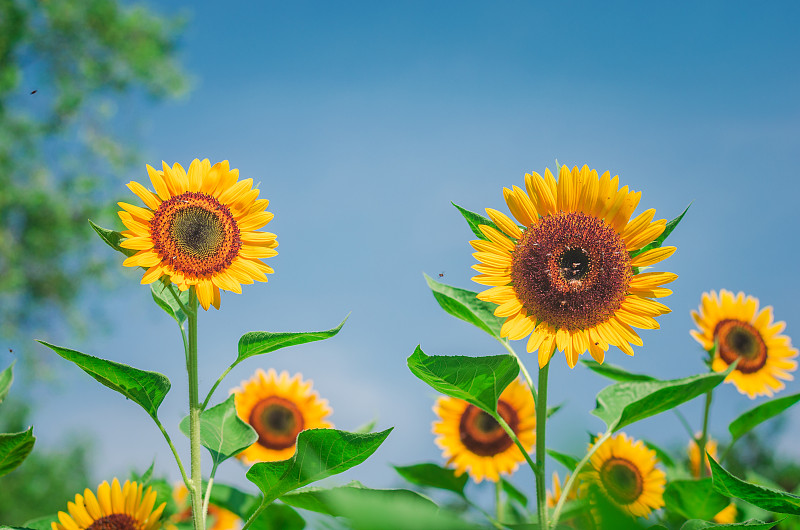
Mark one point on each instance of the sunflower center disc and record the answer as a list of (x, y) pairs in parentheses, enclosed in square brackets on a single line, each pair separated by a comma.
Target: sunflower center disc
[(741, 340), (480, 432), (195, 234), (622, 480), (277, 421), (115, 521), (571, 270)]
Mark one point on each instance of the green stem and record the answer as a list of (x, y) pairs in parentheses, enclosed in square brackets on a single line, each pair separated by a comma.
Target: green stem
[(174, 453), (704, 436), (522, 368), (541, 422), (684, 422), (208, 492), (216, 384), (486, 514), (255, 514), (498, 502), (568, 486), (194, 416), (511, 434)]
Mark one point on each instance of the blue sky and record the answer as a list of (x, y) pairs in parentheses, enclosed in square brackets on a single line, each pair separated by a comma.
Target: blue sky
[(362, 122)]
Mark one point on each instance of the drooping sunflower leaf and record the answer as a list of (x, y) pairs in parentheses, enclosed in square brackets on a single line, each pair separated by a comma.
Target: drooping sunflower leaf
[(662, 455), (765, 498), (624, 403), (333, 501), (234, 500), (474, 220), (144, 388), (752, 524), (14, 449), (6, 378), (694, 499), (751, 418), (258, 342), (41, 523), (465, 305), (568, 461), (476, 380), (278, 516), (615, 372), (513, 492), (163, 297), (320, 453), (222, 432), (671, 225), (433, 476), (112, 239)]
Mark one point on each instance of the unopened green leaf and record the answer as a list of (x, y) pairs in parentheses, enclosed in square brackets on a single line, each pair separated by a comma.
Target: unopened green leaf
[(465, 305), (148, 389), (765, 498), (694, 499), (768, 409), (222, 432), (112, 239), (14, 449), (474, 220), (320, 453), (615, 372), (258, 342), (433, 476), (476, 380), (6, 378)]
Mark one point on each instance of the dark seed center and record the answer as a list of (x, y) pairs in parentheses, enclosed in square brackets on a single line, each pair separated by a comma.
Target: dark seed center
[(482, 434), (278, 418), (574, 264), (741, 340), (622, 480), (277, 421), (197, 231), (115, 521)]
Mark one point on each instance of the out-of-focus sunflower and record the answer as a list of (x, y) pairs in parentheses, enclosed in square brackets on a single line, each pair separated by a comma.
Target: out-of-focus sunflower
[(727, 515), (199, 229), (126, 507), (625, 472), (587, 519), (220, 518), (743, 332), (569, 277), (278, 408), (694, 456), (473, 441)]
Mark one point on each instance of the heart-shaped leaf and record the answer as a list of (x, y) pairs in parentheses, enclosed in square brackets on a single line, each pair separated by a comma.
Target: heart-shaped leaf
[(751, 418), (474, 220), (258, 342), (694, 499), (476, 380), (162, 296), (145, 388), (6, 378), (222, 432), (433, 476), (14, 449), (765, 498), (615, 372), (320, 453), (465, 305)]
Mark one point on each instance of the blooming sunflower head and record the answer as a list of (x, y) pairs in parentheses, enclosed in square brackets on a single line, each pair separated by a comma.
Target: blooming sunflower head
[(115, 507), (733, 328), (199, 229), (278, 408), (474, 442), (569, 278), (221, 519), (625, 472), (694, 456)]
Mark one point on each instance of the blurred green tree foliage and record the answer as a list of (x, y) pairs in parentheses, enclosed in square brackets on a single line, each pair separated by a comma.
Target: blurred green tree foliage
[(64, 65)]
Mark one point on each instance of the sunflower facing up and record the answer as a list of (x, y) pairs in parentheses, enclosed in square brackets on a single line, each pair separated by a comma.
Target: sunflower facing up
[(743, 332), (278, 408), (199, 229), (625, 471), (119, 508), (569, 277), (473, 441)]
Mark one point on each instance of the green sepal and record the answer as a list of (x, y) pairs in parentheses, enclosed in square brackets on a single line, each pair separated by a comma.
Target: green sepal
[(163, 297), (474, 220), (14, 449), (222, 432), (464, 304), (671, 225), (433, 476), (765, 498)]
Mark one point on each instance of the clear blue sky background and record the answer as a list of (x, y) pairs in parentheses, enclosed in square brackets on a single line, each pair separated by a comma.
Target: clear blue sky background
[(363, 120)]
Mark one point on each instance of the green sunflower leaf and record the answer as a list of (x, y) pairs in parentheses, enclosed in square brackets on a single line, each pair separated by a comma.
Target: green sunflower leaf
[(627, 402), (234, 500), (465, 305), (112, 239), (41, 523), (752, 524), (222, 432), (258, 342), (765, 498), (513, 492), (166, 301), (476, 380), (615, 372), (14, 449), (6, 378), (147, 389), (662, 455), (433, 476), (278, 516), (568, 461), (751, 418), (671, 225), (320, 453), (474, 220), (694, 499)]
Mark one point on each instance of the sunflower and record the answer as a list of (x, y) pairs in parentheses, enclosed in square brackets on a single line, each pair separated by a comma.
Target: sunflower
[(694, 456), (278, 408), (569, 277), (114, 508), (625, 472), (555, 496), (199, 229), (473, 441), (585, 519), (222, 519), (743, 332)]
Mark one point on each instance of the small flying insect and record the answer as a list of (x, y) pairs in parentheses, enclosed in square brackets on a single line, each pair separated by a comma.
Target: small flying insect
[(441, 275), (33, 92)]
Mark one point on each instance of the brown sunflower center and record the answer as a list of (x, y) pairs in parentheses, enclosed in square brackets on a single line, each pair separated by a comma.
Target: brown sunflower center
[(115, 521), (277, 421), (195, 234), (741, 340), (571, 270), (622, 480), (480, 432)]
